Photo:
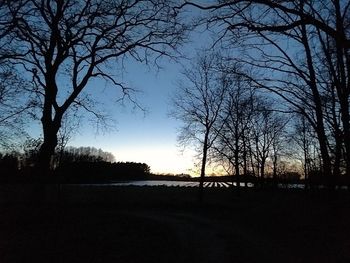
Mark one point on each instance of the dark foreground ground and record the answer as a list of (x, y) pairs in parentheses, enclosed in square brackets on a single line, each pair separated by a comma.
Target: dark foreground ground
[(158, 224)]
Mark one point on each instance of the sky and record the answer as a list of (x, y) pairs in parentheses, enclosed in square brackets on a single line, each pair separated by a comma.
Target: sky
[(148, 136)]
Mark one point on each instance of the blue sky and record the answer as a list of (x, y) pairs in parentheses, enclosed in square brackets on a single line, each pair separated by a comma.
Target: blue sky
[(142, 136), (149, 136)]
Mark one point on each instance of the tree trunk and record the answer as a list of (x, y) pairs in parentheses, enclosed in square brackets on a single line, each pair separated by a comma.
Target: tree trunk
[(46, 151), (204, 162), (274, 176), (50, 130), (343, 90), (306, 155), (262, 170), (251, 159), (338, 143), (237, 161), (245, 170), (346, 127), (320, 129)]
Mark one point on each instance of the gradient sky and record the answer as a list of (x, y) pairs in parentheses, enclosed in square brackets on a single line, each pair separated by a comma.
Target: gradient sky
[(139, 136), (150, 136)]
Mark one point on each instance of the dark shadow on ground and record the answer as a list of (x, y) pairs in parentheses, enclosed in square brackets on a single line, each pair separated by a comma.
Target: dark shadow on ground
[(159, 224)]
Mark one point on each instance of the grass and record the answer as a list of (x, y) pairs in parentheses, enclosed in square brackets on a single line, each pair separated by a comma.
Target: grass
[(160, 224)]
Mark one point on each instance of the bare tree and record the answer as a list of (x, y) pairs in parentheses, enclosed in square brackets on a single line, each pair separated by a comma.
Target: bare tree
[(198, 103), (63, 45), (15, 111), (304, 138), (15, 102), (289, 41), (267, 126), (233, 125)]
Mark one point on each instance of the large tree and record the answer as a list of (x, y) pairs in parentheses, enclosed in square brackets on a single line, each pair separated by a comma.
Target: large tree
[(63, 45)]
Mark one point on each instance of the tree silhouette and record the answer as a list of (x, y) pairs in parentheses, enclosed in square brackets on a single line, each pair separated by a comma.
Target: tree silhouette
[(198, 103), (235, 118), (15, 111), (63, 45), (301, 51)]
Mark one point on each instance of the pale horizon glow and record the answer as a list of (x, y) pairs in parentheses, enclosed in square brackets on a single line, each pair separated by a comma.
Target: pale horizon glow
[(149, 138), (162, 157), (161, 160)]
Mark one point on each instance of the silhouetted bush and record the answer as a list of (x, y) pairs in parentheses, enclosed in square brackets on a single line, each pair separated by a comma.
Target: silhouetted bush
[(316, 177), (8, 166)]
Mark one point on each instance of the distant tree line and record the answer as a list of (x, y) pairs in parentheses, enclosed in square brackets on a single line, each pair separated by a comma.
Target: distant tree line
[(73, 164), (102, 171), (84, 154)]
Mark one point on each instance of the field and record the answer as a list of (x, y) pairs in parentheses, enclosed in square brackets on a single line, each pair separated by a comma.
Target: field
[(167, 224)]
